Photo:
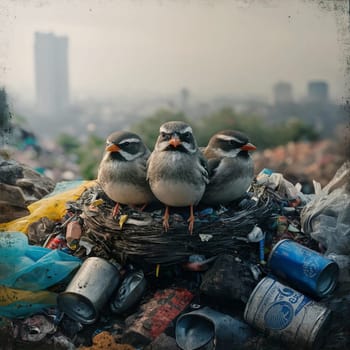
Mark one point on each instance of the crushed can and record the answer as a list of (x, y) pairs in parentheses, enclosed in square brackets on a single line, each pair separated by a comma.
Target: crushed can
[(89, 290), (303, 269), (130, 292), (287, 315)]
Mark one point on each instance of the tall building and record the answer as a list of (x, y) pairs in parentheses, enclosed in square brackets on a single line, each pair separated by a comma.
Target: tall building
[(318, 91), (283, 93), (51, 73)]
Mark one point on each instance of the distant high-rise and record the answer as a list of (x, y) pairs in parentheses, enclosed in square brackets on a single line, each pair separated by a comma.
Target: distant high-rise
[(51, 73), (283, 93), (318, 91)]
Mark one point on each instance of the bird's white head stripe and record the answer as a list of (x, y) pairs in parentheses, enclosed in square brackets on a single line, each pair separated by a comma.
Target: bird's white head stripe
[(187, 129), (228, 138), (131, 140), (230, 154), (164, 129), (129, 157)]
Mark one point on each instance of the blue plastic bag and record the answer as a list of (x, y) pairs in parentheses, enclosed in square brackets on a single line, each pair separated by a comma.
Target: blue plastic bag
[(29, 267)]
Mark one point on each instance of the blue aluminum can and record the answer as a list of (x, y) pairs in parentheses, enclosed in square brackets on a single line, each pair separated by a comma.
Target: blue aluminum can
[(302, 268)]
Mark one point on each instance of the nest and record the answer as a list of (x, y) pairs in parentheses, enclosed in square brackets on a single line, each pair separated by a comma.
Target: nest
[(139, 235)]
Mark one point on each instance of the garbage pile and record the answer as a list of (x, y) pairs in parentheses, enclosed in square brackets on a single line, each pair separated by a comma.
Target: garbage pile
[(304, 161), (269, 271), (20, 186)]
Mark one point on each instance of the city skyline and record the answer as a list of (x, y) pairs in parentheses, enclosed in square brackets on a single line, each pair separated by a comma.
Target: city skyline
[(132, 48), (51, 73)]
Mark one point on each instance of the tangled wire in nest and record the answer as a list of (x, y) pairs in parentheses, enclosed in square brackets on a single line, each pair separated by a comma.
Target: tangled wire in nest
[(139, 235)]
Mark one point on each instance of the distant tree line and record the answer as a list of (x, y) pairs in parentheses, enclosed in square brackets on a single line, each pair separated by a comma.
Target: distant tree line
[(262, 134)]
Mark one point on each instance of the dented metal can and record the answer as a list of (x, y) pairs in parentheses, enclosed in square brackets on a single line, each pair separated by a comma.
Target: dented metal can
[(89, 290), (287, 315), (303, 269)]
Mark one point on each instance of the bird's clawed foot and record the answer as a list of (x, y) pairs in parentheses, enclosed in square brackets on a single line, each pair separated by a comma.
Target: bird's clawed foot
[(166, 219), (115, 211), (191, 220), (143, 207)]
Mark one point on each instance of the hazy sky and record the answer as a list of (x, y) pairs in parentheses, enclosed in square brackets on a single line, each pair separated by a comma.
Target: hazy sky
[(130, 47)]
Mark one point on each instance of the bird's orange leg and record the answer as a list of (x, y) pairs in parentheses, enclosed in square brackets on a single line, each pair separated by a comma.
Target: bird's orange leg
[(143, 207), (191, 220), (166, 219), (137, 207), (115, 210)]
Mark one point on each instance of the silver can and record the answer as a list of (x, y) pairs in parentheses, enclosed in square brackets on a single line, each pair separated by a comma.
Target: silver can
[(287, 315), (89, 290)]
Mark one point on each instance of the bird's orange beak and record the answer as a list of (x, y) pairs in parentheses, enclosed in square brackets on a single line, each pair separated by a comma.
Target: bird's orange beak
[(175, 141), (248, 147), (112, 148)]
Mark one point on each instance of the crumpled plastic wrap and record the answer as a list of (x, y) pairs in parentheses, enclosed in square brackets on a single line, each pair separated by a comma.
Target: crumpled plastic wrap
[(26, 271), (15, 303), (52, 206), (278, 183), (327, 217)]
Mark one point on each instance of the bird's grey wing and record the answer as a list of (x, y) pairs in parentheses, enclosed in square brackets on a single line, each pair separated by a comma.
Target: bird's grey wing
[(213, 165), (148, 162), (204, 167)]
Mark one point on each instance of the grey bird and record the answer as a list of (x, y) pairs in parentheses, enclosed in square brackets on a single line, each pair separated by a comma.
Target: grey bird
[(231, 168), (122, 171), (177, 171)]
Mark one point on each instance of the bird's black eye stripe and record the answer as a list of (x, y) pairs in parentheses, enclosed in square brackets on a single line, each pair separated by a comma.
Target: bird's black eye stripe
[(165, 136), (186, 136), (235, 143)]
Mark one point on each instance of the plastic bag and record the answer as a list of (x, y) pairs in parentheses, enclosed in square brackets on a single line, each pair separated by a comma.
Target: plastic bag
[(277, 182), (327, 217), (52, 206), (33, 268), (15, 303)]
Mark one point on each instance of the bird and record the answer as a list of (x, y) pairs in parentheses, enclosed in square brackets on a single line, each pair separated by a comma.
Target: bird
[(231, 168), (122, 170), (177, 170)]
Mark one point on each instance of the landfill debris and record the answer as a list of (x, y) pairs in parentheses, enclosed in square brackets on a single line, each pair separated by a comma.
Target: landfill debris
[(19, 186), (52, 207), (303, 268), (156, 315), (34, 328), (327, 217), (343, 262), (130, 292), (33, 268), (15, 303), (89, 290), (220, 281), (73, 232), (287, 315), (165, 275), (105, 341), (163, 342), (204, 326)]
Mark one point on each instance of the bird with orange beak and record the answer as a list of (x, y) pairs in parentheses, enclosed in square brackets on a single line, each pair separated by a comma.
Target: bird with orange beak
[(122, 171), (231, 168), (176, 170)]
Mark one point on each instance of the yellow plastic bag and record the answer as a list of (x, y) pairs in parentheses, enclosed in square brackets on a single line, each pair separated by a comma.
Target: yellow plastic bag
[(53, 207), (16, 303)]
